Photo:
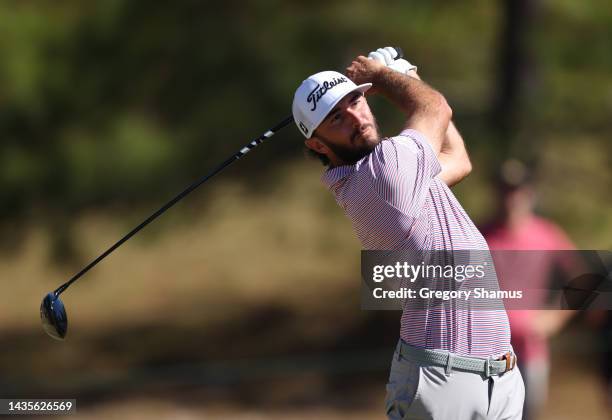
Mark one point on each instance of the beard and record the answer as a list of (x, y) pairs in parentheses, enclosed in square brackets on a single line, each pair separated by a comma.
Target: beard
[(355, 152)]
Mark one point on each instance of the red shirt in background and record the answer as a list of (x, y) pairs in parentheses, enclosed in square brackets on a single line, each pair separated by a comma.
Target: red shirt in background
[(535, 233)]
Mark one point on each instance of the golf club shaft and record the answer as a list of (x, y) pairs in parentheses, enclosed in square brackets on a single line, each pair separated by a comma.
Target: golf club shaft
[(246, 149), (235, 157)]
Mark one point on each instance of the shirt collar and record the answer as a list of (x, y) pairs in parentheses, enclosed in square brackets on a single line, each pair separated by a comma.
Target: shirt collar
[(331, 176), (334, 175)]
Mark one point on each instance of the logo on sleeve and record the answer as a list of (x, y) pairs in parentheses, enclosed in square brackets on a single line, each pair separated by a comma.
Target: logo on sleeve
[(317, 93)]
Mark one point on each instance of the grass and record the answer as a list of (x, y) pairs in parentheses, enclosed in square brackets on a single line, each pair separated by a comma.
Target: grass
[(227, 274), (226, 247), (291, 244)]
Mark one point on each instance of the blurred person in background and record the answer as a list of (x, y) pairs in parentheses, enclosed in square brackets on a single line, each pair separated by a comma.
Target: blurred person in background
[(516, 227)]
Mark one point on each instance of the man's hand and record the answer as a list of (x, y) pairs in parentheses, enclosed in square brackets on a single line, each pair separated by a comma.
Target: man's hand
[(384, 56), (390, 58), (364, 70)]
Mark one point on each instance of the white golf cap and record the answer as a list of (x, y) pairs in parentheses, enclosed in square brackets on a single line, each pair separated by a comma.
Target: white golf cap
[(318, 95)]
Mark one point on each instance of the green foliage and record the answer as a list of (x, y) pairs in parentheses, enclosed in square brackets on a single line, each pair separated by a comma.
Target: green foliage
[(123, 101)]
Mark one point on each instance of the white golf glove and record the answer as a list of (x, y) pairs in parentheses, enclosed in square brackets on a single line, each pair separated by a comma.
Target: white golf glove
[(387, 56)]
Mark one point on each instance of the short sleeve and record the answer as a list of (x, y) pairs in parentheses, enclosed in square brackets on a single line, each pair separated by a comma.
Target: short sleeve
[(431, 163), (402, 170)]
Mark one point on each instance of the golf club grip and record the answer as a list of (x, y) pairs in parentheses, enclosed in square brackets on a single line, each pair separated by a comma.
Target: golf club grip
[(254, 143), (400, 53)]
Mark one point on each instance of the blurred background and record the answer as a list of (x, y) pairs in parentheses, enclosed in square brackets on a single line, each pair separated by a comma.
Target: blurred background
[(243, 301)]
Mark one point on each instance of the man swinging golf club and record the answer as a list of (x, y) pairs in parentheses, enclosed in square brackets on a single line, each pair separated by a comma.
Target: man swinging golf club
[(396, 193)]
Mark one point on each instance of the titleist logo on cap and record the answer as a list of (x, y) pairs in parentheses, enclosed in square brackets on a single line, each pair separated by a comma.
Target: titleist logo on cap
[(317, 93)]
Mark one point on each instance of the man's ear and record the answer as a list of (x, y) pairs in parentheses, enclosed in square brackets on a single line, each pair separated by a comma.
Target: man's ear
[(316, 145)]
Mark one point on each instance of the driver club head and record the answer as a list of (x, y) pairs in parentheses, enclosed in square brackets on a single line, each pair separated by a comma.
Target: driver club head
[(53, 316)]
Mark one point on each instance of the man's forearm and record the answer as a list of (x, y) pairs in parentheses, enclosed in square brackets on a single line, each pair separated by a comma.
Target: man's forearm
[(425, 108), (453, 157)]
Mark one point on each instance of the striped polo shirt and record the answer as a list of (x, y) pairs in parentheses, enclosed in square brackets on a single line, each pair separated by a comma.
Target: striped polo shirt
[(396, 202)]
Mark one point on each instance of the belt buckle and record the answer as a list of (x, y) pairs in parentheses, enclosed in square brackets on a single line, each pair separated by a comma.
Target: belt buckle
[(510, 359)]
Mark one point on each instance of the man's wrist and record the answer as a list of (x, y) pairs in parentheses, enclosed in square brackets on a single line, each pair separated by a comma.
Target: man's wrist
[(382, 77)]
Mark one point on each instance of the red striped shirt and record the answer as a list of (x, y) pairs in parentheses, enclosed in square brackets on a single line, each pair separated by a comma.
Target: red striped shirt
[(395, 202)]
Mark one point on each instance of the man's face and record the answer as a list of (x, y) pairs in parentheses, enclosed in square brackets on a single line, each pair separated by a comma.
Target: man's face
[(348, 133)]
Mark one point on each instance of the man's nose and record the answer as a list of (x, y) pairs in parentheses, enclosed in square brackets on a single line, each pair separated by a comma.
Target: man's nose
[(356, 118)]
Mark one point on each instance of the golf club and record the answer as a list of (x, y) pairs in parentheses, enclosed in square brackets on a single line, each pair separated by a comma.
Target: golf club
[(52, 310)]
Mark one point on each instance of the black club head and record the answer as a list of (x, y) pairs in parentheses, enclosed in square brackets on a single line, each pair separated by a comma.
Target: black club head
[(53, 316)]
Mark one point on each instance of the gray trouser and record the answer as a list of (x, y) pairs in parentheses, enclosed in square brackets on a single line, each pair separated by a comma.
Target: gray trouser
[(425, 392)]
